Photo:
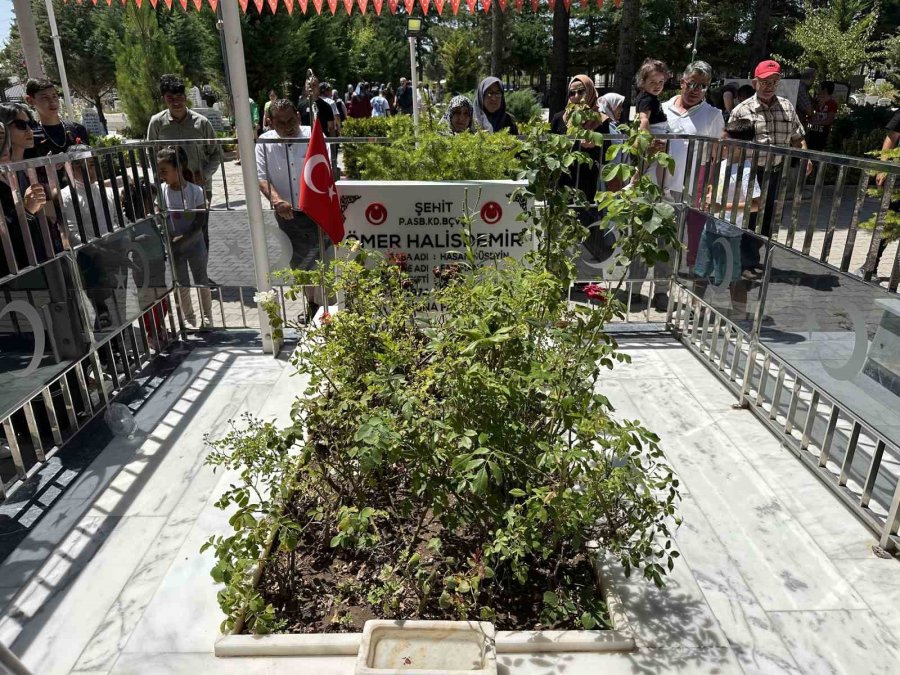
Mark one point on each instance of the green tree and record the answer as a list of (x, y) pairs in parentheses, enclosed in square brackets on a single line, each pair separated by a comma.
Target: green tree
[(461, 69), (88, 36), (143, 57), (196, 42), (837, 39)]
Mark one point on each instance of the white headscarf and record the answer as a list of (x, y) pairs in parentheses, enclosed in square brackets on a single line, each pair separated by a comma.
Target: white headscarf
[(608, 104)]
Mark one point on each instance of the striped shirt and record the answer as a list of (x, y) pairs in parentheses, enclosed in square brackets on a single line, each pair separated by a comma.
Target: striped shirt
[(775, 124)]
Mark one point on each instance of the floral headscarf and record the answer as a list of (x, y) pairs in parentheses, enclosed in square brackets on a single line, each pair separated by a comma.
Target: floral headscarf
[(458, 103), (590, 93), (490, 122)]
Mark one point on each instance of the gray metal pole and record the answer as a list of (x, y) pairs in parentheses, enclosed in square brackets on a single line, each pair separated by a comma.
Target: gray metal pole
[(696, 37), (28, 34), (415, 84), (234, 53), (60, 64)]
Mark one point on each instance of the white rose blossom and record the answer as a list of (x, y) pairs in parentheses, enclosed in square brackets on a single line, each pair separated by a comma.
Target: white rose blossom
[(265, 297)]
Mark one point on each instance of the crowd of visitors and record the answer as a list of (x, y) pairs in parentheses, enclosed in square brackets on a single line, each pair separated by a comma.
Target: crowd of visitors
[(187, 161)]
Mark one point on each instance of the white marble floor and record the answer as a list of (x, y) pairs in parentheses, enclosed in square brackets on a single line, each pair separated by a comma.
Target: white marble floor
[(775, 575)]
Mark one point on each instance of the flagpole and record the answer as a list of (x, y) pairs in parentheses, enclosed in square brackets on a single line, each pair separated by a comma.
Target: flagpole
[(314, 115)]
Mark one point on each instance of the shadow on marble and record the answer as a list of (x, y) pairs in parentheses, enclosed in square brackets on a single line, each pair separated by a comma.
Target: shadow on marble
[(838, 642), (710, 661), (34, 550)]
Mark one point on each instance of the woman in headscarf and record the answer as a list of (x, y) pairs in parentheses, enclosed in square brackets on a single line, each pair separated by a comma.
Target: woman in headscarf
[(360, 105), (490, 108), (458, 117), (611, 105), (583, 93)]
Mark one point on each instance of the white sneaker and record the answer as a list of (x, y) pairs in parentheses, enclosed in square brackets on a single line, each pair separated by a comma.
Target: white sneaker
[(5, 452)]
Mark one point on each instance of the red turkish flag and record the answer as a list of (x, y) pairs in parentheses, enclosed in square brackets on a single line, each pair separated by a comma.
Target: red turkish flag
[(409, 6), (454, 5), (259, 5), (424, 5), (290, 7), (439, 6), (348, 6), (534, 5), (392, 4), (318, 196), (378, 5), (471, 5), (486, 5), (332, 5), (362, 4)]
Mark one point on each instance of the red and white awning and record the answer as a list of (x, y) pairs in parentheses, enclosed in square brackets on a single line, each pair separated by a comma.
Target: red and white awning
[(362, 5)]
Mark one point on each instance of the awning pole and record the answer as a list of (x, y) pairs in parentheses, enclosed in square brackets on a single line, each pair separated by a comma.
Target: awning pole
[(60, 64), (234, 53), (28, 34)]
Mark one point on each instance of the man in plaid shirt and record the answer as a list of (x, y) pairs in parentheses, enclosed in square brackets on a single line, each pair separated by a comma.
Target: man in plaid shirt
[(776, 123)]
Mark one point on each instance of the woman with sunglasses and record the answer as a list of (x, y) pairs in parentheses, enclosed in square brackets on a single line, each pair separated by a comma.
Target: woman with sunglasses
[(490, 108), (15, 119), (582, 94)]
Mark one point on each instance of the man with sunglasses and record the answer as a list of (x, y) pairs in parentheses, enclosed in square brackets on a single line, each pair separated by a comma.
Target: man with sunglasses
[(687, 113), (776, 123)]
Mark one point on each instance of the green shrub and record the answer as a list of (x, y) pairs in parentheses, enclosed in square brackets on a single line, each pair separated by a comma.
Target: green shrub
[(461, 464), (435, 155), (369, 127)]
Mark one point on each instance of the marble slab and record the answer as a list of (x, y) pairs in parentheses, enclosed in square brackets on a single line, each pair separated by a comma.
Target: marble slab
[(877, 580), (54, 617), (749, 631), (114, 631), (674, 618), (709, 661), (779, 559), (838, 642), (183, 615), (196, 664)]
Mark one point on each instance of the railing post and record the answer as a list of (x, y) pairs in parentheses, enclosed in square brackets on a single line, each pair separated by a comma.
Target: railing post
[(234, 52), (757, 322)]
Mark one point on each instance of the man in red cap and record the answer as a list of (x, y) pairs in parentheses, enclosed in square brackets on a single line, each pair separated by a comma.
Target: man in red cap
[(776, 123)]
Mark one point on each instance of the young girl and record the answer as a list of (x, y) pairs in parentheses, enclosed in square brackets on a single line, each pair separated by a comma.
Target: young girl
[(650, 81), (186, 206)]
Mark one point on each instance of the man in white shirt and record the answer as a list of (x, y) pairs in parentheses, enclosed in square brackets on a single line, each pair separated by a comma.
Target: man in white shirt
[(279, 166), (688, 113)]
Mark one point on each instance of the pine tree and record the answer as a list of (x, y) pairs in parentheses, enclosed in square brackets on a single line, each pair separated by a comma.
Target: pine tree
[(144, 57)]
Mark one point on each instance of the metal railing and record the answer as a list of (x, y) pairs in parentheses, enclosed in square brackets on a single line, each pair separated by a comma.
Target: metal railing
[(98, 267)]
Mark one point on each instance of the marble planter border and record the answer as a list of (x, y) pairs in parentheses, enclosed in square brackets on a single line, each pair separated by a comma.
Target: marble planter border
[(618, 639)]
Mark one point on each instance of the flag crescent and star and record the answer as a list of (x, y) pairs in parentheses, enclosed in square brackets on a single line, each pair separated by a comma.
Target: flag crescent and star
[(318, 194)]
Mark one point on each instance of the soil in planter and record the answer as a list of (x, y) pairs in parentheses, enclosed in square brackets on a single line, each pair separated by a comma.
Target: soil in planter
[(320, 589)]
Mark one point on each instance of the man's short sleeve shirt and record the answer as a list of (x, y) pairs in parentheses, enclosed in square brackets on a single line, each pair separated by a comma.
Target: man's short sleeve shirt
[(775, 124)]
